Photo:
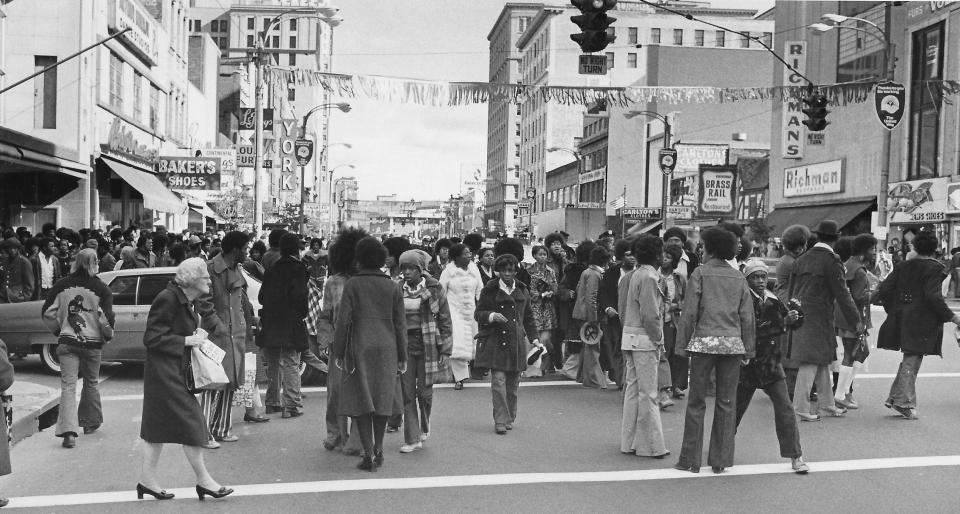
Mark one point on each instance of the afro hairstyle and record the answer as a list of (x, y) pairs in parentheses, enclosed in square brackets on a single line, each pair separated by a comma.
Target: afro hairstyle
[(719, 242), (371, 254), (795, 237), (648, 249), (343, 251), (583, 251), (473, 241), (509, 245), (396, 246)]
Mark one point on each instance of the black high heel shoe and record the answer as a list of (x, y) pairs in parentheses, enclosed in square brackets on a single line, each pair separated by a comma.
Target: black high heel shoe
[(220, 493), (162, 495)]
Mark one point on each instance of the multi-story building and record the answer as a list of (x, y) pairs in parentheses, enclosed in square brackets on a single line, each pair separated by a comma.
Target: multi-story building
[(103, 118), (301, 38), (503, 119), (837, 173)]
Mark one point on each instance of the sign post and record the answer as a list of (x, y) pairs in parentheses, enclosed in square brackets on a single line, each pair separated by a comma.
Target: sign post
[(890, 99), (303, 148)]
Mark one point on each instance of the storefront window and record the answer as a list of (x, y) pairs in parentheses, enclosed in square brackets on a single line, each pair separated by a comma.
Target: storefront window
[(116, 81), (925, 103)]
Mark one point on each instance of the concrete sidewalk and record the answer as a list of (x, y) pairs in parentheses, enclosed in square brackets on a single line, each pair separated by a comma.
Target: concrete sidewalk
[(34, 408)]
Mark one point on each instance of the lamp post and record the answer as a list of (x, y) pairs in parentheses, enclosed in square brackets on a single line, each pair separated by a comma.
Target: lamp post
[(890, 63), (327, 15), (333, 226), (667, 135), (344, 107)]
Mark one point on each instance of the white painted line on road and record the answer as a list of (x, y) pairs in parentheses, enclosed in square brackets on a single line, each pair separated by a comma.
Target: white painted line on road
[(473, 385), (433, 482), (921, 375)]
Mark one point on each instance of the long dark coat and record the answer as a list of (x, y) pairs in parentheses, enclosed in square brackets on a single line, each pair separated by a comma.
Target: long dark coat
[(503, 347), (916, 311), (229, 309), (170, 413), (283, 296), (370, 340), (6, 380), (818, 282)]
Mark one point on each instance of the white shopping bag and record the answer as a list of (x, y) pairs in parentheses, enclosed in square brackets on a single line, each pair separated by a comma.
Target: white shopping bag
[(208, 373)]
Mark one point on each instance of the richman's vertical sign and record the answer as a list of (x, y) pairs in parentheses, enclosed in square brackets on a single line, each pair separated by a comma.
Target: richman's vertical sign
[(792, 133)]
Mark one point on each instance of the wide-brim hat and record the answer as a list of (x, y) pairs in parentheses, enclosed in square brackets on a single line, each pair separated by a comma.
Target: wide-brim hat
[(590, 333), (827, 228)]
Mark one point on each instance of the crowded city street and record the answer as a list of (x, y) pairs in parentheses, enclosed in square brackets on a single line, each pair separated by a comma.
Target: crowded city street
[(479, 256)]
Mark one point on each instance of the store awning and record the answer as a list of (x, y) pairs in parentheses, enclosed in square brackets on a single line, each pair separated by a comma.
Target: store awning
[(156, 196), (844, 213), (205, 211), (643, 228), (31, 160)]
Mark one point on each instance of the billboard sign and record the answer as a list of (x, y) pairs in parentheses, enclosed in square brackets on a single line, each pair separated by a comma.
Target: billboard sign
[(718, 191), (196, 173)]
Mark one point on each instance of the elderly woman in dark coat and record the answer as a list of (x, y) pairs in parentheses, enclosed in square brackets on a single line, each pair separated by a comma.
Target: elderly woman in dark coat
[(503, 313), (171, 414), (916, 312), (370, 347)]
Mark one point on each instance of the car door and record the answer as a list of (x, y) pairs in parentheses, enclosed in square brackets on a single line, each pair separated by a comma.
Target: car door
[(125, 334), (147, 291)]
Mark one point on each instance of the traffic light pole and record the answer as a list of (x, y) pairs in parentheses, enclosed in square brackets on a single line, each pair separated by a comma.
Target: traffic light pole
[(667, 134)]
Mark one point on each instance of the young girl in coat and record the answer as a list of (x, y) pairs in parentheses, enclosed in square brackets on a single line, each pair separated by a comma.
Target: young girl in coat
[(764, 371)]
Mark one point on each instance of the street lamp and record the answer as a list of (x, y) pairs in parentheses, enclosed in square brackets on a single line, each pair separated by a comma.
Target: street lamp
[(667, 135), (344, 107), (890, 62), (327, 15), (342, 201)]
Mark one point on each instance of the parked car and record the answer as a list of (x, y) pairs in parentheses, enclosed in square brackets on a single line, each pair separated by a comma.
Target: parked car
[(23, 330)]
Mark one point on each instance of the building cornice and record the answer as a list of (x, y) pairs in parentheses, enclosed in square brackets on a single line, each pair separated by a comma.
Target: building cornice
[(509, 8), (543, 16)]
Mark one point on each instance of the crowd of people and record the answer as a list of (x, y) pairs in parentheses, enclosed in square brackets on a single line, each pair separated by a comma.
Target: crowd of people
[(660, 318)]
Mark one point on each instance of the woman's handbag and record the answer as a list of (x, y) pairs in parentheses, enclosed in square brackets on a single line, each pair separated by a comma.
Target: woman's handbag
[(205, 360)]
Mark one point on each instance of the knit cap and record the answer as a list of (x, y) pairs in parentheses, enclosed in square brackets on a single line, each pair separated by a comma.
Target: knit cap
[(754, 265), (416, 257)]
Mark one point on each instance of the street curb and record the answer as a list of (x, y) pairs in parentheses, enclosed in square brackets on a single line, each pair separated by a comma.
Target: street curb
[(30, 424)]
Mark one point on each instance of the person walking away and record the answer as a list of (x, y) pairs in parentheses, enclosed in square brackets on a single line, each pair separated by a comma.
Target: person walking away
[(608, 303), (717, 328), (503, 313), (916, 311), (429, 340), (79, 311), (674, 369), (818, 283), (171, 414), (460, 288), (272, 255), (6, 380), (794, 240), (543, 288), (283, 296), (46, 268), (16, 273), (229, 310), (341, 259), (585, 312), (641, 431), (370, 347), (566, 299), (862, 285), (764, 370)]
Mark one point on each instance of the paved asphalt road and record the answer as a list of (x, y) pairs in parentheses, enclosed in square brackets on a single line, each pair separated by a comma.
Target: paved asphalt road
[(563, 456)]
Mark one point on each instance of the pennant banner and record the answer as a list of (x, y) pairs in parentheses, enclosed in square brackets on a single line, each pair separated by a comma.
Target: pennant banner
[(443, 94)]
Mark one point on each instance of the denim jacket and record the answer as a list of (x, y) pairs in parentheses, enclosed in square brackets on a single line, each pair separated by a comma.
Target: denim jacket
[(717, 303)]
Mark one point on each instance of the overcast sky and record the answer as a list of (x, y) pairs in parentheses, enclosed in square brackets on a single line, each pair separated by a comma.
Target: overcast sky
[(413, 151)]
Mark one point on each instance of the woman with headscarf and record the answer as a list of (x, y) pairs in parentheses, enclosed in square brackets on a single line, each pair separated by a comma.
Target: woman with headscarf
[(428, 341), (461, 287), (370, 346), (171, 414)]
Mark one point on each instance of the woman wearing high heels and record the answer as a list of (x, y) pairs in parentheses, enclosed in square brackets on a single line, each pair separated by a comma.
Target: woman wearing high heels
[(370, 347), (170, 413)]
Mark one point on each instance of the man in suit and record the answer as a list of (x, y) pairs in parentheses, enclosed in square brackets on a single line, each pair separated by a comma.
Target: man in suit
[(608, 300), (818, 282)]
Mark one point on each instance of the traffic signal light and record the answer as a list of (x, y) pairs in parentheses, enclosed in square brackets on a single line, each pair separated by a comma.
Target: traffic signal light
[(593, 22), (816, 112)]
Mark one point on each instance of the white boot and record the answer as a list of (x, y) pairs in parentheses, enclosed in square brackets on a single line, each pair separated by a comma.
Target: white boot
[(843, 385)]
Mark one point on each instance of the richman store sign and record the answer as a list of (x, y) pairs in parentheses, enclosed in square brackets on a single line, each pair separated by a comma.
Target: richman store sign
[(122, 143), (813, 179), (142, 36)]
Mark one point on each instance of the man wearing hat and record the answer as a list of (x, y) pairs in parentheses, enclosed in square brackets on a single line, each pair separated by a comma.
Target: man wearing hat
[(675, 236), (16, 273), (818, 283)]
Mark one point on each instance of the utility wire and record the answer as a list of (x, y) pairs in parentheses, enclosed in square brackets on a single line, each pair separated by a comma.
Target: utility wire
[(744, 34)]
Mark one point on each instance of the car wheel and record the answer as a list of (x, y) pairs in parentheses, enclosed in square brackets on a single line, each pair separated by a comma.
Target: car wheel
[(49, 358), (310, 375)]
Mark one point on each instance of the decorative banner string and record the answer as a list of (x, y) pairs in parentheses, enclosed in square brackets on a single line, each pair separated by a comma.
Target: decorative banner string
[(444, 94)]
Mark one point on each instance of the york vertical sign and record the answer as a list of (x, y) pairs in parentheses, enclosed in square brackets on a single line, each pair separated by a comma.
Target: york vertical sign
[(792, 134)]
